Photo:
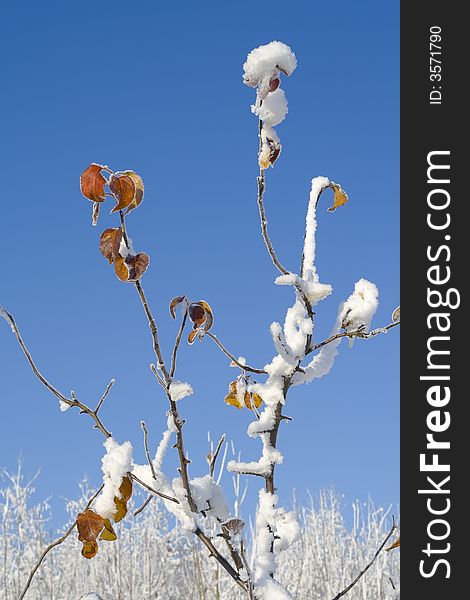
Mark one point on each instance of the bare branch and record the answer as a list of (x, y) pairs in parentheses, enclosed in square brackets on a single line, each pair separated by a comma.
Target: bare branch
[(144, 505), (55, 543), (215, 455), (367, 567), (354, 334), (71, 402), (154, 491), (177, 343), (146, 446), (103, 397), (229, 355)]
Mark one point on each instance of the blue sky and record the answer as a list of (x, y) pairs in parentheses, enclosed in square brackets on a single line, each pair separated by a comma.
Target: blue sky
[(157, 88)]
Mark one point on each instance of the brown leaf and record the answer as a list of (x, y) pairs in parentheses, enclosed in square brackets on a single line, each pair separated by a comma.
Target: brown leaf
[(274, 83), (89, 525), (234, 525), (232, 397), (192, 335), (197, 313), (394, 545), (110, 241), (132, 267), (139, 190), (125, 489), (90, 549), (121, 269), (209, 315), (174, 303), (108, 534), (396, 315), (340, 198), (124, 190), (121, 509), (92, 183)]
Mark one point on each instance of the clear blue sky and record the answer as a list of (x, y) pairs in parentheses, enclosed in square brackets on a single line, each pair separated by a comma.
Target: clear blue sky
[(157, 87)]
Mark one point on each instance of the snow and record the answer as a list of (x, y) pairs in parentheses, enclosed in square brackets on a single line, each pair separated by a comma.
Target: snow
[(266, 60), (360, 307), (209, 497), (5, 315), (308, 263), (273, 109), (116, 463), (179, 390), (90, 596), (63, 406)]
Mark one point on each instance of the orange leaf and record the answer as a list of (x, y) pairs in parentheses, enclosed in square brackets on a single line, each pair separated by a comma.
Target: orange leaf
[(251, 398), (139, 190), (209, 315), (90, 549), (121, 509), (232, 397), (110, 241), (394, 545), (192, 336), (132, 267), (340, 196), (174, 303), (121, 269), (92, 183), (89, 525), (123, 189)]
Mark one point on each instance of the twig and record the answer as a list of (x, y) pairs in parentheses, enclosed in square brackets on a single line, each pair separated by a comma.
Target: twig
[(71, 402), (229, 355), (215, 455), (146, 446), (57, 542), (354, 334), (177, 343), (144, 505), (154, 491), (103, 397), (367, 567)]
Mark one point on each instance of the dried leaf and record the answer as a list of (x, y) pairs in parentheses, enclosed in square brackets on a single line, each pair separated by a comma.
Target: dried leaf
[(209, 315), (108, 534), (89, 525), (232, 397), (110, 241), (234, 525), (174, 303), (340, 198), (396, 315), (90, 549), (197, 314), (132, 267), (394, 545), (125, 489), (192, 335), (121, 509), (274, 83), (121, 269), (251, 398), (124, 190), (92, 183), (139, 190)]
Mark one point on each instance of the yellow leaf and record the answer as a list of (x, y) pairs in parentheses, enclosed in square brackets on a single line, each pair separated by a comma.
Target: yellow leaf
[(139, 190), (232, 398), (121, 509), (251, 399), (90, 549), (108, 534), (340, 198)]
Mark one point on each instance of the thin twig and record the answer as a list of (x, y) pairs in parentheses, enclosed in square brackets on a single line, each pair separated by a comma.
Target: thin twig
[(229, 355), (354, 334), (70, 402), (103, 397), (215, 455), (154, 491), (367, 567), (57, 542), (146, 446), (144, 505), (177, 343)]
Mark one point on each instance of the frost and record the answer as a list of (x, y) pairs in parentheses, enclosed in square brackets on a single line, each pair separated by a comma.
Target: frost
[(360, 307), (116, 463), (63, 405), (308, 263), (8, 318), (180, 390), (125, 250), (209, 497)]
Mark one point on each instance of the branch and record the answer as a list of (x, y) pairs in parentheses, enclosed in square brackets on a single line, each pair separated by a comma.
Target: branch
[(354, 334), (154, 491), (264, 223), (146, 446), (353, 583), (143, 506), (215, 455), (57, 542), (177, 343), (229, 355), (70, 402)]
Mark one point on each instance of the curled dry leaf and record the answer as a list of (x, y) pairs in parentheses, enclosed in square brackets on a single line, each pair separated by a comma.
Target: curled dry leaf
[(234, 525), (110, 241), (396, 315), (202, 317), (209, 315), (92, 183), (340, 197), (249, 398), (124, 190), (108, 534), (132, 267), (394, 545), (89, 525), (174, 303), (232, 397), (125, 493), (197, 314), (90, 549), (192, 336), (139, 190)]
